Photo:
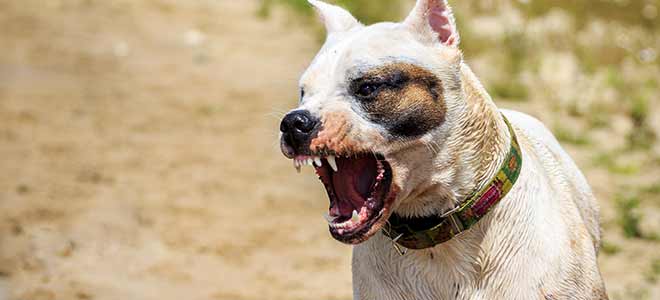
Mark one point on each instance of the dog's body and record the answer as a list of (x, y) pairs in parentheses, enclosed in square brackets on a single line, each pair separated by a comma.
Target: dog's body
[(401, 92), (540, 242)]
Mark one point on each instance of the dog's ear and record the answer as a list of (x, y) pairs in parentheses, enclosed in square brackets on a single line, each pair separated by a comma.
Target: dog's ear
[(434, 19), (336, 19)]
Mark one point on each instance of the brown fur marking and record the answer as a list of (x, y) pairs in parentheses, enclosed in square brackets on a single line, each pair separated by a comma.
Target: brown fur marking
[(410, 102), (334, 135)]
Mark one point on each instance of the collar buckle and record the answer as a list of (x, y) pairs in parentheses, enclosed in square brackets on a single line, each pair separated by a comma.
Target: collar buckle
[(401, 250), (388, 233), (459, 219), (457, 227), (455, 222)]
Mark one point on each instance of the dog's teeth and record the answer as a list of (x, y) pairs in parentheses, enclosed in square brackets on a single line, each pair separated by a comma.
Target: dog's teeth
[(310, 162), (355, 218), (328, 218), (332, 162), (296, 164), (317, 161)]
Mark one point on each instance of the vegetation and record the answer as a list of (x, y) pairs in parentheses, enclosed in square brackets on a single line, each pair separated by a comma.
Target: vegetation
[(571, 136), (629, 216), (610, 248), (588, 68), (367, 11), (653, 274)]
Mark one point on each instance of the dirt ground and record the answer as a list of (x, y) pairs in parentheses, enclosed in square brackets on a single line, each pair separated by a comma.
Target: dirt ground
[(139, 158)]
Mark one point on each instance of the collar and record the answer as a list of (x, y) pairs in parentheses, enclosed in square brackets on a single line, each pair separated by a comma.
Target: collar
[(427, 232)]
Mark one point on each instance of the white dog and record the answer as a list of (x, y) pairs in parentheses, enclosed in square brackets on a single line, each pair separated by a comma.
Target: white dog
[(443, 195)]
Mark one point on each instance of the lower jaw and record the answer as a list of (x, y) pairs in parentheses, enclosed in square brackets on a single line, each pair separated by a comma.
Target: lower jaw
[(367, 230), (379, 209), (355, 236)]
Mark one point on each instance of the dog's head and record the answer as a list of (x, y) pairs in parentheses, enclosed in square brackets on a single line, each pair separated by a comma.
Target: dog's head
[(376, 106)]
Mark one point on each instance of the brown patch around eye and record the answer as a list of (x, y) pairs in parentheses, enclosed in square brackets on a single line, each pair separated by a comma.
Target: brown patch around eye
[(408, 102)]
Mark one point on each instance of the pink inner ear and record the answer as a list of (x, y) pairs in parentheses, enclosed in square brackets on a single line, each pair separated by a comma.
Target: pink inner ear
[(440, 22)]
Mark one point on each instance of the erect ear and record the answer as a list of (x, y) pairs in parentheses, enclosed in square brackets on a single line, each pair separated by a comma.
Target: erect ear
[(336, 19), (434, 17)]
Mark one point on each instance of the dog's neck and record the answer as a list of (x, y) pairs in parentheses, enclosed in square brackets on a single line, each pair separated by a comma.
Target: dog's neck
[(473, 153), (483, 140)]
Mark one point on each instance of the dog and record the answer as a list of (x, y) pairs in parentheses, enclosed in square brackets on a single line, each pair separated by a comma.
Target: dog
[(441, 194)]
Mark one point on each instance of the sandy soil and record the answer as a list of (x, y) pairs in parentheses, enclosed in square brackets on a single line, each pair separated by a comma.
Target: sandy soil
[(139, 158)]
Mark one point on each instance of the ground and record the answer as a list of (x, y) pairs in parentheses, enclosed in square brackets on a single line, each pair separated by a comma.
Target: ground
[(139, 157)]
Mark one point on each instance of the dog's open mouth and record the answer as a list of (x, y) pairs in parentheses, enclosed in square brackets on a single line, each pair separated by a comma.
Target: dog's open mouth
[(359, 190)]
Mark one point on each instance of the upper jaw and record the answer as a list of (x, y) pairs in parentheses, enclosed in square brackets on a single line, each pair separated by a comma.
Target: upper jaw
[(371, 212), (314, 161)]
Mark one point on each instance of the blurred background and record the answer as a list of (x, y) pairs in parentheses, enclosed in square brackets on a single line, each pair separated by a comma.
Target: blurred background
[(139, 155)]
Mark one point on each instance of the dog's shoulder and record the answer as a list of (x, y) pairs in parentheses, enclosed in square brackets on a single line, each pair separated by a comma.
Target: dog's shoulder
[(531, 126), (559, 163)]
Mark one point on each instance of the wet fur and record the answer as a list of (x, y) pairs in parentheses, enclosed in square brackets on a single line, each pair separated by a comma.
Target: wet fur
[(540, 242)]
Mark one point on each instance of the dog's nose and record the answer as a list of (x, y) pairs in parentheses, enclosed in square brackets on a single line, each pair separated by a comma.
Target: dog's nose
[(298, 128)]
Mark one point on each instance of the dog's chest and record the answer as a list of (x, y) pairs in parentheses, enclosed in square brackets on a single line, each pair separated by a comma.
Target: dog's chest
[(381, 273)]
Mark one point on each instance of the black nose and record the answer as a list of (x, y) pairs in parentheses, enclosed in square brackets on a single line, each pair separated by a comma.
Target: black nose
[(298, 128)]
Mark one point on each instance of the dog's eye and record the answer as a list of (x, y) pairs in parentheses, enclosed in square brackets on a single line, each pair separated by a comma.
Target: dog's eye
[(367, 89)]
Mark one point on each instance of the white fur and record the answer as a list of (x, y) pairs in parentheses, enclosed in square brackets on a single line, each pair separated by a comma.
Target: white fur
[(539, 242), (335, 19), (520, 250)]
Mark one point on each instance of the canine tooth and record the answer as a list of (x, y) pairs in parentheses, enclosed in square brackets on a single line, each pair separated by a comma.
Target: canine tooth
[(355, 218), (310, 161), (296, 164), (317, 161), (332, 162), (328, 218)]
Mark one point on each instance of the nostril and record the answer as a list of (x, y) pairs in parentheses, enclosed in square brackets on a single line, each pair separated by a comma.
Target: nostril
[(297, 129), (303, 124), (298, 121)]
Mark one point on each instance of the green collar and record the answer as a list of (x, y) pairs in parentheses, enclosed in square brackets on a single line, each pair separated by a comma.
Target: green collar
[(427, 232)]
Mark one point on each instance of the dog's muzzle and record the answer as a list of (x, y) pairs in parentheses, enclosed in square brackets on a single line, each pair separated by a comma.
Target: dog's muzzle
[(298, 128), (358, 182)]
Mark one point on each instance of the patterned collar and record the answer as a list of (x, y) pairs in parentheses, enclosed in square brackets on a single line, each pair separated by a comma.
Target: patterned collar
[(427, 232)]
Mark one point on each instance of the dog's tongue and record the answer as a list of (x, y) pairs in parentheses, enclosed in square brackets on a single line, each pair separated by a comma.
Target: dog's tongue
[(353, 182)]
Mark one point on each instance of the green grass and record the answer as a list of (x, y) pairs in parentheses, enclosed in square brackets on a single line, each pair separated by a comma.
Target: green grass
[(370, 11), (367, 11), (652, 190), (610, 161), (609, 248), (301, 7), (512, 90), (653, 274), (641, 136), (597, 117), (625, 12), (629, 216), (573, 137)]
